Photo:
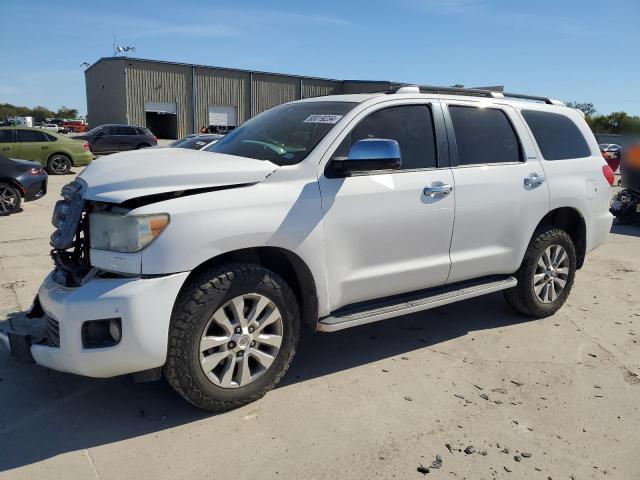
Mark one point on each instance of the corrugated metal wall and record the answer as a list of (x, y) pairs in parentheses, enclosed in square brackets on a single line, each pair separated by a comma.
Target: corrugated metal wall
[(364, 87), (155, 82), (317, 88), (272, 90), (106, 93), (119, 88), (222, 88)]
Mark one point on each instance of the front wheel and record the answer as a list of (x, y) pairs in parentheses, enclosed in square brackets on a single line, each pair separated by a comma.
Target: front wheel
[(546, 275), (233, 333)]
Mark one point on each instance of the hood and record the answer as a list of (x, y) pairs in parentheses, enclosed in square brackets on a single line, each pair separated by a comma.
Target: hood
[(123, 176)]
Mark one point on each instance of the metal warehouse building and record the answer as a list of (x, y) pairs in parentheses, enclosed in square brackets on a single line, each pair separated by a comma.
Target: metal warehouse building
[(174, 99)]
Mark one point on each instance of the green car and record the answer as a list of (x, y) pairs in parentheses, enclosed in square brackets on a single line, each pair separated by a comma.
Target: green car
[(55, 152)]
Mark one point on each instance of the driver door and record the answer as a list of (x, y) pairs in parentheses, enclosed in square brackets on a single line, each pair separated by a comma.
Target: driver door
[(384, 234), (106, 141)]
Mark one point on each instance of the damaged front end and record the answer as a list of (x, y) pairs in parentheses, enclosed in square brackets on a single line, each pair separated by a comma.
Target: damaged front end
[(70, 240)]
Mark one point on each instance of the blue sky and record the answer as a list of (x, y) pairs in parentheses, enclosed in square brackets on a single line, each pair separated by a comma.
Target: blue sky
[(572, 50)]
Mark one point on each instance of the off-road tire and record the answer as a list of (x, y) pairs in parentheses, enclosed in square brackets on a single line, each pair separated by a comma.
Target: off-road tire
[(195, 305), (522, 297)]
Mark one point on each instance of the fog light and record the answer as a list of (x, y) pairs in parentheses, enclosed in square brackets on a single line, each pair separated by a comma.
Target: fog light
[(115, 330), (101, 333)]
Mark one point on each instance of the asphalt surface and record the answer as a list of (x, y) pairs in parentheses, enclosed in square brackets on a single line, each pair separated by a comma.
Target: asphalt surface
[(377, 401)]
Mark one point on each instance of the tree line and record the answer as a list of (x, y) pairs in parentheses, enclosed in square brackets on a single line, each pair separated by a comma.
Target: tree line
[(616, 122), (8, 110)]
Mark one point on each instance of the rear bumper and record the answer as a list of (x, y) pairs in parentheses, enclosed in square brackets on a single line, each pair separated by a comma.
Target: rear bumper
[(143, 305), (82, 159), (36, 189), (598, 230)]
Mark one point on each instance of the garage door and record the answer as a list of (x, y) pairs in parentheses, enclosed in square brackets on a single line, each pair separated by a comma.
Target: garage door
[(161, 107), (222, 116)]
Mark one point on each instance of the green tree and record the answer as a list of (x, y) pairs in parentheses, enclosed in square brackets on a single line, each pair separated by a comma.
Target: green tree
[(586, 108), (66, 112), (42, 112)]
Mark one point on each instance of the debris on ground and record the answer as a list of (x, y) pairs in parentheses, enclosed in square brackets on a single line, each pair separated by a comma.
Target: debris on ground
[(469, 450), (423, 470)]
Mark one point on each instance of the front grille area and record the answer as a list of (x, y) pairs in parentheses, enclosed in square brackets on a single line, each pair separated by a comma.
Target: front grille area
[(53, 333)]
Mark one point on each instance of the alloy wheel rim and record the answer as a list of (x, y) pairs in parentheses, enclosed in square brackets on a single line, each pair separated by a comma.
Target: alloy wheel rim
[(551, 274), (241, 341), (8, 200), (59, 165)]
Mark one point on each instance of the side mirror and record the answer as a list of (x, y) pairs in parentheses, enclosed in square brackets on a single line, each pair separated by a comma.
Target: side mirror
[(370, 154)]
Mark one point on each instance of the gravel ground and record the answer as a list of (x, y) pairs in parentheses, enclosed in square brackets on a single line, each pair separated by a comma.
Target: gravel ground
[(465, 391)]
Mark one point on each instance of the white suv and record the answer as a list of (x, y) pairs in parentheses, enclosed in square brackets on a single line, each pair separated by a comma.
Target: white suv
[(324, 213)]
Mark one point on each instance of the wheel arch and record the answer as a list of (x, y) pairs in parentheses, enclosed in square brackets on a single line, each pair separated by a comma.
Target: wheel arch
[(286, 264), (571, 221), (14, 184)]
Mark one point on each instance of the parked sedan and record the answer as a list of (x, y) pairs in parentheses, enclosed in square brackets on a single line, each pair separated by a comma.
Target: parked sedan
[(175, 143), (118, 138), (55, 152), (198, 142), (20, 179)]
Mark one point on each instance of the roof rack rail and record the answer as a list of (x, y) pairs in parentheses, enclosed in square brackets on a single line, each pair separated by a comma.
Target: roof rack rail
[(474, 92)]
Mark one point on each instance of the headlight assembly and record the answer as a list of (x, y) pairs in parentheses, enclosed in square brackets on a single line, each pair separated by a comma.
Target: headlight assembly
[(125, 233)]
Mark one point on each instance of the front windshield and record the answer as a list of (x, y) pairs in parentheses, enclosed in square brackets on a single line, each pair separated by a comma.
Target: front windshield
[(93, 131), (284, 135)]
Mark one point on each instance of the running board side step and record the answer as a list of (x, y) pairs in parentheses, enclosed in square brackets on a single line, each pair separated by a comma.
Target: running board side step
[(412, 303)]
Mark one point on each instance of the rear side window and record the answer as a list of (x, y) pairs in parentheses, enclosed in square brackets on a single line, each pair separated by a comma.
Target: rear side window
[(6, 136), (484, 135), (141, 131), (128, 131), (411, 126), (30, 136), (557, 136)]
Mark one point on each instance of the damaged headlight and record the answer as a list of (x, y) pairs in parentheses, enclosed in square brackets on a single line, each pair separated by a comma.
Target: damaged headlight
[(125, 233)]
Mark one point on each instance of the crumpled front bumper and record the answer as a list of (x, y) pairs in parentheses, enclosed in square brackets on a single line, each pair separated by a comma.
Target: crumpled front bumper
[(53, 338)]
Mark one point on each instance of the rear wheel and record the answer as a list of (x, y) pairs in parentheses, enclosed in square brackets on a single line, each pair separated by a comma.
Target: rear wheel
[(9, 199), (59, 164), (546, 275), (234, 331)]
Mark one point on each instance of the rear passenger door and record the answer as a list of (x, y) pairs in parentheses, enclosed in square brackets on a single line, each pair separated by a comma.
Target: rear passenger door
[(500, 190), (128, 139), (7, 143), (32, 145)]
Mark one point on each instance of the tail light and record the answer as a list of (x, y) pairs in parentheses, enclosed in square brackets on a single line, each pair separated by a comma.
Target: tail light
[(85, 146), (608, 174), (155, 139), (36, 171)]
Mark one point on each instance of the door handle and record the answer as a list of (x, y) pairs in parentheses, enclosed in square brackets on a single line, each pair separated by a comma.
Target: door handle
[(438, 190), (533, 180)]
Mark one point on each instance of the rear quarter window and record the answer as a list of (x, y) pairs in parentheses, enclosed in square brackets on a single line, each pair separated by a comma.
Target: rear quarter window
[(557, 136)]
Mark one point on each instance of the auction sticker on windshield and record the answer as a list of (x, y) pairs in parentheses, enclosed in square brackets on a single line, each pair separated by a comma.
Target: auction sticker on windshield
[(322, 119)]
